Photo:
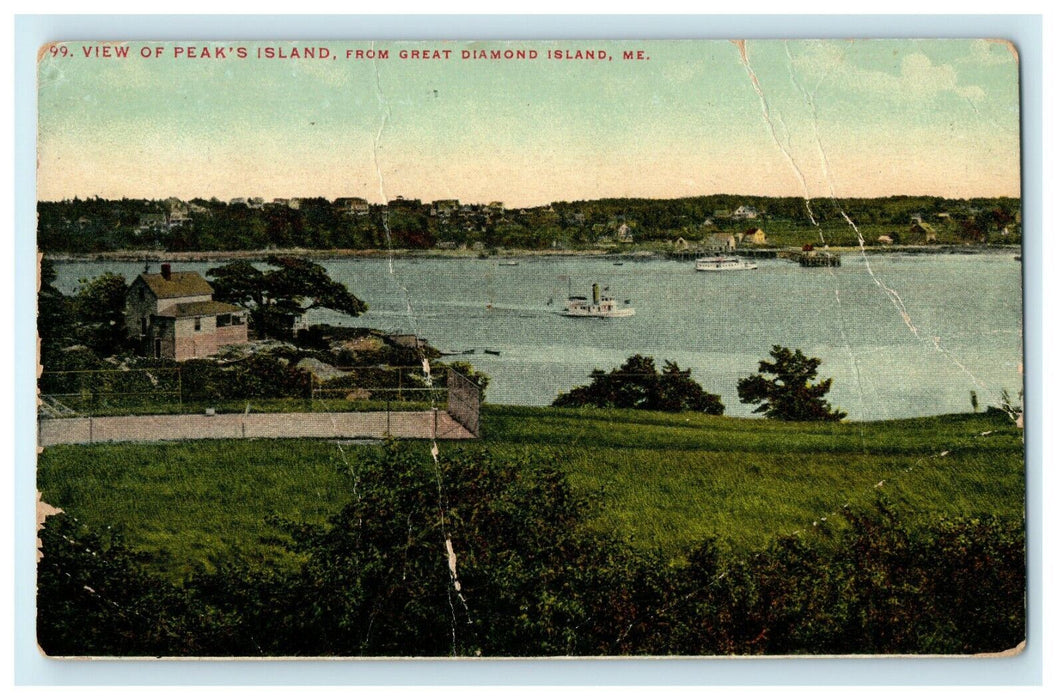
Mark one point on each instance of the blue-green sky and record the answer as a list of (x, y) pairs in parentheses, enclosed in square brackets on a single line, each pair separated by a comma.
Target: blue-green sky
[(860, 118)]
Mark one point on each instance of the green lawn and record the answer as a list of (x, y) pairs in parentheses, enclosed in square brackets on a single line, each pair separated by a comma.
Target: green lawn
[(665, 480)]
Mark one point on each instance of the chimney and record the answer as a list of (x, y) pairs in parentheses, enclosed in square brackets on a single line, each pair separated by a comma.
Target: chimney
[(166, 271)]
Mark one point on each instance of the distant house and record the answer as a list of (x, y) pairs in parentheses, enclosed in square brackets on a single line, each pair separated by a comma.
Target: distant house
[(744, 213), (407, 340), (151, 220), (680, 244), (176, 212), (719, 242), (352, 206), (624, 234), (445, 207), (174, 316), (885, 240), (404, 203), (924, 230), (753, 236)]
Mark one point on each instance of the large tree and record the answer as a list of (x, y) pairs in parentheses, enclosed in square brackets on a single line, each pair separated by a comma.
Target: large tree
[(99, 307), (274, 296), (785, 388), (638, 384)]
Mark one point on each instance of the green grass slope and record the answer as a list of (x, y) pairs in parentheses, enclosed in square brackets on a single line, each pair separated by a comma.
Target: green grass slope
[(664, 480)]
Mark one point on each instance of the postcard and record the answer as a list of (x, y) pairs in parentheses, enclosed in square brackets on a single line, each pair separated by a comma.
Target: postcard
[(530, 349)]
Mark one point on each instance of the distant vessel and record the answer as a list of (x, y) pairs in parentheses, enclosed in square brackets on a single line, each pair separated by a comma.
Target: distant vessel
[(819, 258), (599, 307), (508, 263), (722, 264)]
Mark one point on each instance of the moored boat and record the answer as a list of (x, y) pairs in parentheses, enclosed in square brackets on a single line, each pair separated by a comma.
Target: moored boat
[(720, 264)]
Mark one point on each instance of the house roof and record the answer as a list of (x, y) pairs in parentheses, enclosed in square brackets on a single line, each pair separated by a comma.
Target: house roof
[(200, 308), (180, 284)]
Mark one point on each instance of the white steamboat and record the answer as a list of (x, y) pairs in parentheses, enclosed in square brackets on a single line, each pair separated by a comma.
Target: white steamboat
[(598, 307)]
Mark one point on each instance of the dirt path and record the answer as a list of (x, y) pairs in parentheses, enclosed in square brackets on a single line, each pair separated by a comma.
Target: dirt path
[(408, 425)]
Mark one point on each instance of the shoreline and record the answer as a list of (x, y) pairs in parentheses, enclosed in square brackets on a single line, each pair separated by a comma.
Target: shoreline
[(158, 256)]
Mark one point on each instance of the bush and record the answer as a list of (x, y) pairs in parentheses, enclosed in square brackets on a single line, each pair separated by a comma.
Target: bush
[(638, 384)]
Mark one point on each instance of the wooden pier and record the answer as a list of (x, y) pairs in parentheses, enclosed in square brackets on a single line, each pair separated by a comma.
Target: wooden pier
[(819, 259)]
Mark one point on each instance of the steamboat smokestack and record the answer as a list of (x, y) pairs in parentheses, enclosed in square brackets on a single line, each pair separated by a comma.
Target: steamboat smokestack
[(595, 293)]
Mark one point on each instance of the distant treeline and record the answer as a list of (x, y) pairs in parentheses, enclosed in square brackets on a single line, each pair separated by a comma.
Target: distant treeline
[(100, 225)]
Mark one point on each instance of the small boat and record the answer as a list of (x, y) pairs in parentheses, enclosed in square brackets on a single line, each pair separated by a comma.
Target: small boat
[(492, 352), (618, 264), (509, 263), (599, 307), (722, 264)]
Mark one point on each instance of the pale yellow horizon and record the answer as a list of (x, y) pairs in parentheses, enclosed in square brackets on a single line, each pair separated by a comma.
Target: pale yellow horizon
[(846, 119)]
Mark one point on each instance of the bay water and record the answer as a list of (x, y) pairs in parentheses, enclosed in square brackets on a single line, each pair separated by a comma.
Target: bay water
[(900, 335)]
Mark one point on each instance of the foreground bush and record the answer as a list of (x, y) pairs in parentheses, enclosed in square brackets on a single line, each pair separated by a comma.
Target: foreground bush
[(528, 578)]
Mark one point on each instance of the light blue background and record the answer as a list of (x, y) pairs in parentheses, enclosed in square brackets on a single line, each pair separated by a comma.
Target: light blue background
[(31, 668)]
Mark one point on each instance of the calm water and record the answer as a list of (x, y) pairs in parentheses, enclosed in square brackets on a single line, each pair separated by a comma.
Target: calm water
[(905, 336)]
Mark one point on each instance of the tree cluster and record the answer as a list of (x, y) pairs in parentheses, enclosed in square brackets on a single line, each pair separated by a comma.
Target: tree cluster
[(638, 384), (94, 225), (274, 297), (529, 577), (94, 317)]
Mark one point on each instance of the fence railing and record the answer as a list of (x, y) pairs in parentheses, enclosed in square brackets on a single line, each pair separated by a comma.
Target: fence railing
[(463, 401), (179, 390)]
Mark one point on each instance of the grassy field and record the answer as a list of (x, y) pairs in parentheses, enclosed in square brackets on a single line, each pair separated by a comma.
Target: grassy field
[(664, 480)]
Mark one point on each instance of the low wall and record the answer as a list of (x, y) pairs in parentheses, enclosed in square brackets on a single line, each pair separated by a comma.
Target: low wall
[(408, 425)]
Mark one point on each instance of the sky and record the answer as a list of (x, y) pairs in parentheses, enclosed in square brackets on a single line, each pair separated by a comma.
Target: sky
[(860, 118)]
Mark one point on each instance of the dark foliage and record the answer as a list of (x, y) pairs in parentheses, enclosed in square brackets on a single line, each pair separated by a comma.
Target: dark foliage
[(94, 598), (93, 225), (55, 316), (92, 320), (532, 579), (638, 384), (99, 307), (275, 297), (785, 388)]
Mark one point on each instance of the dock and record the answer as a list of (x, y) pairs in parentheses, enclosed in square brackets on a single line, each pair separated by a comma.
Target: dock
[(819, 259)]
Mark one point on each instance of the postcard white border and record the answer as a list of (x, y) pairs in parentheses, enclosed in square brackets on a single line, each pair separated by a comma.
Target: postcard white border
[(33, 669)]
